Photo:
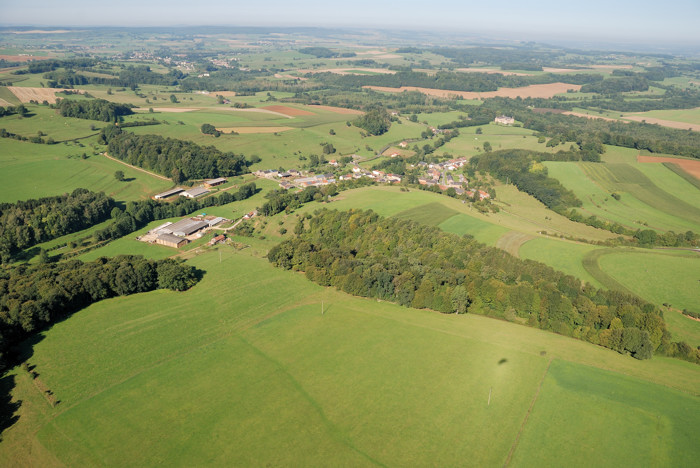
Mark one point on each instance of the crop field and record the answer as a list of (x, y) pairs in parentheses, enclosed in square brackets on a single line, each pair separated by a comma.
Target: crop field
[(30, 170), (253, 378), (26, 94), (681, 116), (431, 214), (532, 91), (627, 179), (642, 203), (689, 166)]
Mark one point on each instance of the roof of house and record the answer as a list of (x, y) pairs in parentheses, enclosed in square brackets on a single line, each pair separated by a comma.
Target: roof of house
[(185, 227)]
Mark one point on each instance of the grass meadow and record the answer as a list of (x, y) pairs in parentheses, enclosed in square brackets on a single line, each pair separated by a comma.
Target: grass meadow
[(560, 255), (29, 170), (251, 378)]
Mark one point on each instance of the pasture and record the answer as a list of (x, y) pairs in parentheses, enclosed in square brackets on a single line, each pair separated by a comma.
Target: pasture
[(29, 170), (248, 377), (560, 255)]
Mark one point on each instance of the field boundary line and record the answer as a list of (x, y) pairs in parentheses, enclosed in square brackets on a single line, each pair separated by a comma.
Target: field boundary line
[(137, 168), (527, 415)]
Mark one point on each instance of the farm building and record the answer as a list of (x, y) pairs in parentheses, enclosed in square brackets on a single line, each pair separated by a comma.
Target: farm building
[(170, 240), (194, 192), (215, 221), (218, 239), (168, 193), (185, 227), (504, 120), (215, 182)]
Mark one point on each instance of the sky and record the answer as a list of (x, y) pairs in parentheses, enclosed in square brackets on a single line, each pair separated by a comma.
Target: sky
[(667, 21)]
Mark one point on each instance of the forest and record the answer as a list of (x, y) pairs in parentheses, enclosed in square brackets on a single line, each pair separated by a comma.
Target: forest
[(32, 297), (423, 267), (26, 223), (93, 109), (181, 160)]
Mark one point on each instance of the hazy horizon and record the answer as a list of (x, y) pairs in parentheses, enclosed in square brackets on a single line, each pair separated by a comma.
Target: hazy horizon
[(596, 21)]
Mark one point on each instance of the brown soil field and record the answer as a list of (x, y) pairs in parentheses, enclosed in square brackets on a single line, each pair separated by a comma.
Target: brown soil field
[(664, 123), (588, 116), (167, 109), (339, 110), (254, 129), (37, 94), (690, 166), (291, 111), (491, 71), (22, 58), (535, 91)]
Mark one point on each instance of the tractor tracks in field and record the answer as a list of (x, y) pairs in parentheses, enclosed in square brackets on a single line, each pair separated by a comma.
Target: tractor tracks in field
[(527, 416)]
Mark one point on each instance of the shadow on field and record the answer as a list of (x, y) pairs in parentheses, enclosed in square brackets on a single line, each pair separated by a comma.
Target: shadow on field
[(8, 408), (502, 361)]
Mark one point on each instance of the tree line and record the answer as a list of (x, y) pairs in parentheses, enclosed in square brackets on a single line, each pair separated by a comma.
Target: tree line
[(181, 160), (27, 223), (93, 109), (33, 297), (421, 266)]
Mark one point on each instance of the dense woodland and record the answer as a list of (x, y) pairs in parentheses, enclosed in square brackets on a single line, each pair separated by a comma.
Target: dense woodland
[(424, 267), (26, 223), (32, 297), (181, 160), (93, 109)]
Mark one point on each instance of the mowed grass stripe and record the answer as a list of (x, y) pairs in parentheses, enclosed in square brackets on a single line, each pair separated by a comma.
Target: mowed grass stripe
[(627, 178), (431, 214), (512, 241)]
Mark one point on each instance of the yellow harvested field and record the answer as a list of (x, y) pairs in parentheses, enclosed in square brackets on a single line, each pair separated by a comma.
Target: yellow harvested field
[(254, 129), (43, 31), (223, 93), (560, 70), (338, 110), (168, 109), (534, 91), (37, 94), (491, 71), (663, 123), (4, 103)]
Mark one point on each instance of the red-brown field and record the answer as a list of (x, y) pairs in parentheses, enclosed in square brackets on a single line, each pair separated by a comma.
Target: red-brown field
[(535, 91)]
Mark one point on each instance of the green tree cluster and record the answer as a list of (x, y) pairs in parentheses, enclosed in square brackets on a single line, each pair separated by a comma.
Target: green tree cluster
[(26, 223), (421, 266)]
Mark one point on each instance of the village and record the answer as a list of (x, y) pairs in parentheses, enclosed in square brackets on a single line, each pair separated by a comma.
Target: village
[(433, 174)]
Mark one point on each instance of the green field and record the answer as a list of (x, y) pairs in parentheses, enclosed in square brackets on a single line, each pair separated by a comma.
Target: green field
[(560, 255), (643, 203), (30, 170), (645, 424), (691, 116), (247, 377)]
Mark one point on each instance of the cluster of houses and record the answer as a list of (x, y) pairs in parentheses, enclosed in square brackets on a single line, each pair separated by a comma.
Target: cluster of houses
[(182, 232), (194, 192)]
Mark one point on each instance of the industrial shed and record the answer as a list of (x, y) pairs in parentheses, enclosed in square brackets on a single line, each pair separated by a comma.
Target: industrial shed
[(214, 182), (168, 193)]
